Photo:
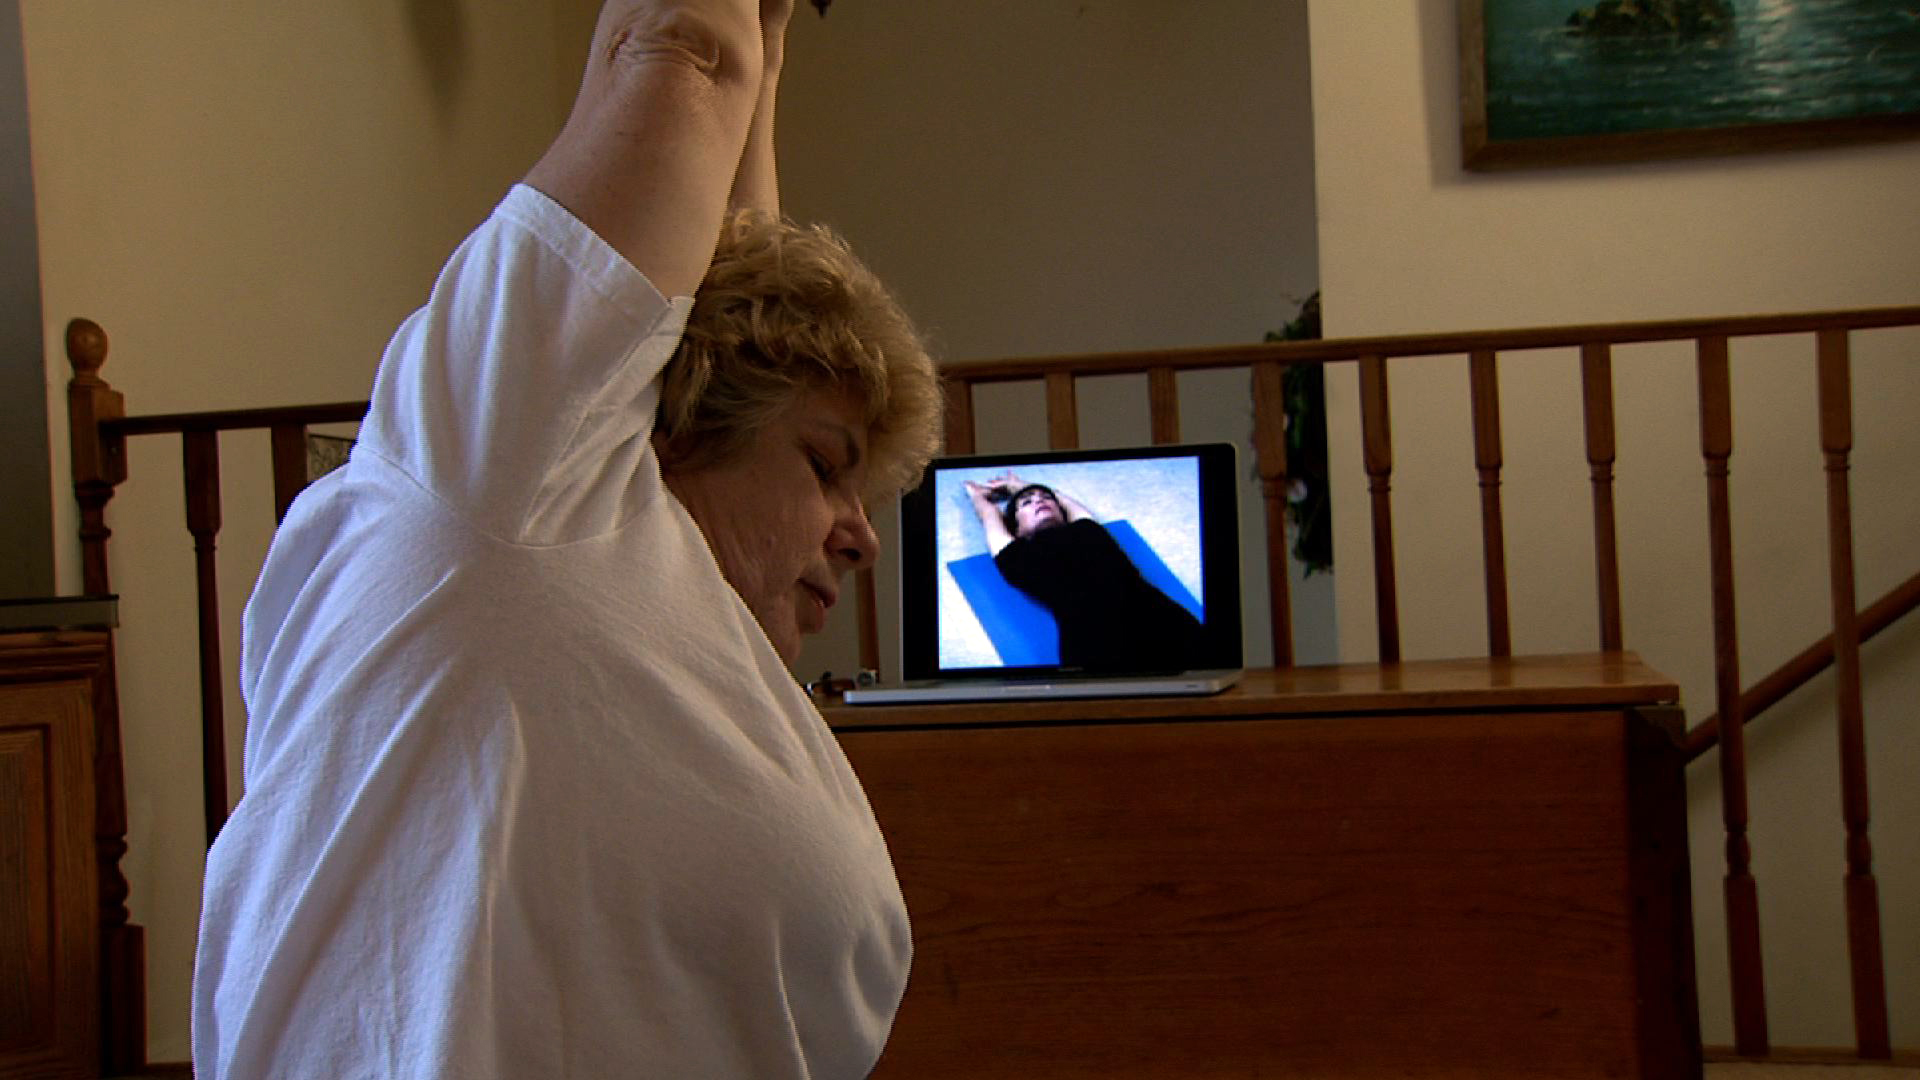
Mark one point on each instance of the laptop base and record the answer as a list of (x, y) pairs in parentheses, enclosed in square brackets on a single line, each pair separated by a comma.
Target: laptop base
[(1186, 684)]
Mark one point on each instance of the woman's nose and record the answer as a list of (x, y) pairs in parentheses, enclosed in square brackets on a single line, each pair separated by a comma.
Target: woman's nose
[(854, 542)]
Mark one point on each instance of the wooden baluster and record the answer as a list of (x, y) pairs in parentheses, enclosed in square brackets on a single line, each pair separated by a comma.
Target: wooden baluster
[(200, 452), (98, 462), (1862, 892), (1485, 385), (1376, 438), (288, 445), (1742, 894), (1270, 456), (1596, 378), (959, 415), (1063, 412), (1163, 403)]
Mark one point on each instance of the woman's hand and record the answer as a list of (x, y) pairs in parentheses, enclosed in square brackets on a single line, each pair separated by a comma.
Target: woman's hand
[(990, 521), (1004, 485)]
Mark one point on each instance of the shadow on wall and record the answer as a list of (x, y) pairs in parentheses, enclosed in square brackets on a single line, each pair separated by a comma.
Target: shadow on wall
[(440, 37)]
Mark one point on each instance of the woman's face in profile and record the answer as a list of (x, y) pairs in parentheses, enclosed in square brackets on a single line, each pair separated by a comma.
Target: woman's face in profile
[(784, 517)]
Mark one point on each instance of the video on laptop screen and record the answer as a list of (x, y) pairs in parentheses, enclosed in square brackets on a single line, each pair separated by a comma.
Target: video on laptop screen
[(1089, 561)]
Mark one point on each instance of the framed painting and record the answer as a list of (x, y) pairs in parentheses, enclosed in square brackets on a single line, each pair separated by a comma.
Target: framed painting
[(1561, 82)]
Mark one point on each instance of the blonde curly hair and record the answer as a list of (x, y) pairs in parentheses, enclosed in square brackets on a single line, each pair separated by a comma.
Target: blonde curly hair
[(786, 309)]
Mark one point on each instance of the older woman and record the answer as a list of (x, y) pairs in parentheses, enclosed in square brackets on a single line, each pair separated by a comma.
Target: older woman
[(530, 790)]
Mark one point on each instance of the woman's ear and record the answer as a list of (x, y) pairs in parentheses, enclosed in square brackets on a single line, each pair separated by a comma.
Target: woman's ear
[(671, 452)]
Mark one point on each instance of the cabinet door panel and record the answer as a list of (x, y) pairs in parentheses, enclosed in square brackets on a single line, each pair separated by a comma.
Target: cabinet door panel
[(49, 917)]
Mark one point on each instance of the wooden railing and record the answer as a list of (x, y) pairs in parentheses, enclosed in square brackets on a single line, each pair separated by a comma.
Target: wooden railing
[(100, 430), (1831, 333)]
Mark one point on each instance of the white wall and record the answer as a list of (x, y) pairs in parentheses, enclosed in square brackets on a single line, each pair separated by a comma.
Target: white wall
[(1411, 243), (248, 198)]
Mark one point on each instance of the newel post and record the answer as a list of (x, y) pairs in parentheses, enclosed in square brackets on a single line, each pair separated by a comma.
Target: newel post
[(98, 465)]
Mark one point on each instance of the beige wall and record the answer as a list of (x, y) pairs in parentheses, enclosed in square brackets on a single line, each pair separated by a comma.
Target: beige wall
[(248, 197), (1410, 243)]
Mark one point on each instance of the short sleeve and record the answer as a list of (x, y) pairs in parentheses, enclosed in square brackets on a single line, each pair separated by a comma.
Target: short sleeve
[(523, 393)]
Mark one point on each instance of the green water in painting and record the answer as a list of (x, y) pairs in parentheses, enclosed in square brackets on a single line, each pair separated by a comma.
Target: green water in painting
[(1783, 61)]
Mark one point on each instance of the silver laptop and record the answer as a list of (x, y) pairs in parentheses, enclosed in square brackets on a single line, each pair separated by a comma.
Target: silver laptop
[(1076, 574)]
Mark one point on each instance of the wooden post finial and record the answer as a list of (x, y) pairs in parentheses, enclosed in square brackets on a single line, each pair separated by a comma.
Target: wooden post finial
[(86, 349)]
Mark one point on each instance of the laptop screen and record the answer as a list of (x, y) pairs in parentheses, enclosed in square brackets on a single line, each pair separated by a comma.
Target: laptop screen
[(1083, 562)]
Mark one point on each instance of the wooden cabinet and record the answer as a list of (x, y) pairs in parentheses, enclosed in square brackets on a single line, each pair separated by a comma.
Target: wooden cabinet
[(1472, 868), (49, 901)]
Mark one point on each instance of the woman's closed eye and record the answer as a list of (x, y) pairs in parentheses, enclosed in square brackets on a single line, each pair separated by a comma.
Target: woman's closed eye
[(823, 468)]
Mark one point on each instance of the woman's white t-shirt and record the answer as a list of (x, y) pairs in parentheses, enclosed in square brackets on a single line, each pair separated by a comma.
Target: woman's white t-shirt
[(528, 791)]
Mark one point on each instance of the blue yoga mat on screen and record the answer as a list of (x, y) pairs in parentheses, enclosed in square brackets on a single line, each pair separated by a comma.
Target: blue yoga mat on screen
[(1021, 630)]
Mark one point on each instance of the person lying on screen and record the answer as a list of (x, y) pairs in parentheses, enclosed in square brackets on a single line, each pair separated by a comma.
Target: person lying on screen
[(530, 788), (1110, 618)]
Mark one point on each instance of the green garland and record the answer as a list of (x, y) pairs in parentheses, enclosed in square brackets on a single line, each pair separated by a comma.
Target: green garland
[(1303, 388)]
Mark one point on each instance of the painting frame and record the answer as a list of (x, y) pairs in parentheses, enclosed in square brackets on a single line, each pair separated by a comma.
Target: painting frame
[(1481, 152)]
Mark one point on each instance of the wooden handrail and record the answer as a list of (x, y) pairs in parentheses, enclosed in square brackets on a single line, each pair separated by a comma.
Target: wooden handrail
[(336, 412), (1409, 346), (1809, 662)]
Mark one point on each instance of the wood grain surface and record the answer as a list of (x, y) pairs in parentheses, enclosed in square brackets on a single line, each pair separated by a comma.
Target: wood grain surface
[(1365, 891)]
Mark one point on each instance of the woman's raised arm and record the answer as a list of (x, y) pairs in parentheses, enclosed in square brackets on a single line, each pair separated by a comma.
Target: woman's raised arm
[(649, 155)]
